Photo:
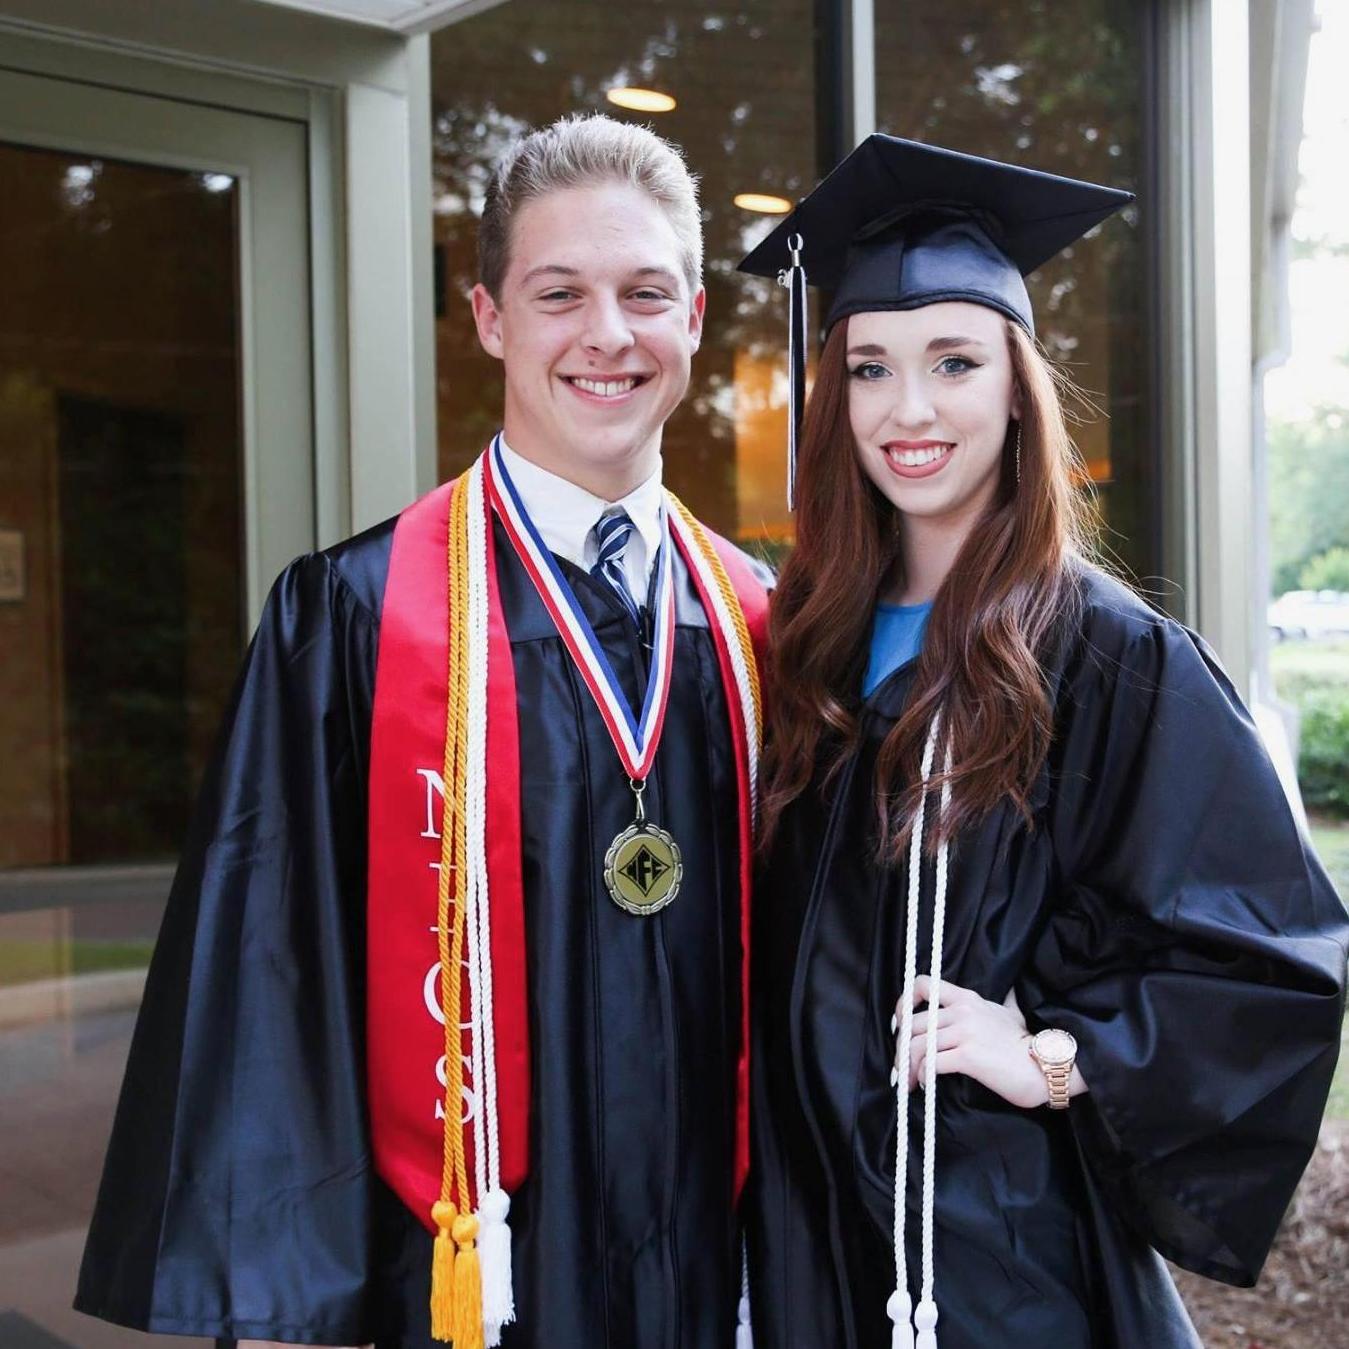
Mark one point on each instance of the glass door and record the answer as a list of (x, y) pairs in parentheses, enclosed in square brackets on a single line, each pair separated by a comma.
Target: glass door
[(156, 470)]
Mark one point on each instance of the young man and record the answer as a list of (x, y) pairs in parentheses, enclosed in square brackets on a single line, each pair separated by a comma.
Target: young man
[(311, 1146)]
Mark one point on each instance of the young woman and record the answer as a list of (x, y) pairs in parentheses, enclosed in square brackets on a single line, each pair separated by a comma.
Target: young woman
[(1039, 947)]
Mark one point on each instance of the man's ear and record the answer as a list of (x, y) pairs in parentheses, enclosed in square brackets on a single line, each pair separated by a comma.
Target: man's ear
[(487, 317), (696, 308)]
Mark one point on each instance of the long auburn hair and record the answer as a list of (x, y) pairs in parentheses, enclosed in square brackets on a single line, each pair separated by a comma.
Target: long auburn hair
[(1009, 592)]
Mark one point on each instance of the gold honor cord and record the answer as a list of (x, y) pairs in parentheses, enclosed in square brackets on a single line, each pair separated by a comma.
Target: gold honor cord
[(456, 1276), (732, 601), (456, 1280)]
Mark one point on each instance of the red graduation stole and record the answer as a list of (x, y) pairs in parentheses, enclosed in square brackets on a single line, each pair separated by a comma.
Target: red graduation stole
[(405, 1027)]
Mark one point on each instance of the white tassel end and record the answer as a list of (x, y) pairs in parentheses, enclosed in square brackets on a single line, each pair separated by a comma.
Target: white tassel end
[(898, 1309), (744, 1332), (494, 1256), (925, 1320)]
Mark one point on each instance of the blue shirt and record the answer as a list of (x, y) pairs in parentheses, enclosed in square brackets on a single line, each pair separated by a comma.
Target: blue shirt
[(896, 638)]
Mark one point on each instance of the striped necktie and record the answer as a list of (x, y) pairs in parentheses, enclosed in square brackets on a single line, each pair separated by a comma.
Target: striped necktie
[(612, 533)]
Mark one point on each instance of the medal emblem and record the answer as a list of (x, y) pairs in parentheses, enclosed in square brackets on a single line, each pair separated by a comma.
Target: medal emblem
[(643, 869)]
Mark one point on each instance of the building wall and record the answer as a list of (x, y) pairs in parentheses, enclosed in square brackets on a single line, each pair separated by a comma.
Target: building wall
[(1152, 315)]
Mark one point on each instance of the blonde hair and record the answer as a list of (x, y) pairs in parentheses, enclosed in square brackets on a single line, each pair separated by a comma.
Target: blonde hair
[(578, 151)]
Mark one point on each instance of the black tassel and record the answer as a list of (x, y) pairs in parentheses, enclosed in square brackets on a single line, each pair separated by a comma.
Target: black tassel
[(794, 278)]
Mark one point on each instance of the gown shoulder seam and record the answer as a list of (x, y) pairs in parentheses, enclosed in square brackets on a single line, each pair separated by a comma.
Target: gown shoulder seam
[(340, 582)]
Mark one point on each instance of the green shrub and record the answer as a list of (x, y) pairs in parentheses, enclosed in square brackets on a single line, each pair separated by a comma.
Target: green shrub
[(1323, 759), (1326, 571)]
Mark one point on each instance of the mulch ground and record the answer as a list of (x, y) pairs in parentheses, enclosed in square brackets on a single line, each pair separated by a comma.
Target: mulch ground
[(1302, 1299)]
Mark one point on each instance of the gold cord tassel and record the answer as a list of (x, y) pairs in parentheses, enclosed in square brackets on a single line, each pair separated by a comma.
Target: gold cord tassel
[(467, 1286), (442, 1268)]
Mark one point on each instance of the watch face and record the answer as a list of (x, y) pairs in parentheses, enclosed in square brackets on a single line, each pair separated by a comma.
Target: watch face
[(1054, 1047)]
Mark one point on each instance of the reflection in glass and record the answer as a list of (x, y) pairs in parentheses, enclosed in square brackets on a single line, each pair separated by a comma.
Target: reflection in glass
[(1055, 88), (120, 628), (119, 491), (742, 79)]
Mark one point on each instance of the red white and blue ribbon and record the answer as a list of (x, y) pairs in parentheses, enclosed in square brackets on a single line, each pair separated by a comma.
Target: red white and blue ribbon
[(636, 736)]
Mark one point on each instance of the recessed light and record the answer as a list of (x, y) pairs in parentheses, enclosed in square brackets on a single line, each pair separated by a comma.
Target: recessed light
[(641, 100), (762, 202)]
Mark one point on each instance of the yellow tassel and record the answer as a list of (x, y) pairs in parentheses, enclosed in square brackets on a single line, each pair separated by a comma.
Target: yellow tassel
[(445, 1217), (467, 1286)]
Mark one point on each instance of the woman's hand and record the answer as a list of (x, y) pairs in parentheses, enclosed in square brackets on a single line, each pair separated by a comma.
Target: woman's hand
[(987, 1041)]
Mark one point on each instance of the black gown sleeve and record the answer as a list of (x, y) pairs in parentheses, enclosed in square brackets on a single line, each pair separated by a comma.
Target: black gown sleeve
[(236, 1194), (1196, 950)]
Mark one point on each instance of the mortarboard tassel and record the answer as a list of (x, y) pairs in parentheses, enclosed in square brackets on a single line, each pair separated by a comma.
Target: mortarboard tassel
[(794, 278)]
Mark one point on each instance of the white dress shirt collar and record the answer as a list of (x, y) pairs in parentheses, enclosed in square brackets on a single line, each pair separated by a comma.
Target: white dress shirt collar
[(565, 516)]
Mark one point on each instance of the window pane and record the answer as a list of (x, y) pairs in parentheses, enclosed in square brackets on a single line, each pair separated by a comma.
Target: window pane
[(743, 81), (1054, 87), (119, 501), (120, 628)]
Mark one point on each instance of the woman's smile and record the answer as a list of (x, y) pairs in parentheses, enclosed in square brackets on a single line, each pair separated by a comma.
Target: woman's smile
[(918, 458)]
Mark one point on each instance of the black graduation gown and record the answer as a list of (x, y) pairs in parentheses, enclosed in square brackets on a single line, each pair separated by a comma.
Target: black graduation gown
[(1164, 909), (239, 1198)]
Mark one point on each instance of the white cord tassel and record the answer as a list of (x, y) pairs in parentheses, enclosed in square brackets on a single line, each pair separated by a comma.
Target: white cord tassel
[(898, 1310), (494, 1255), (744, 1331), (900, 1306)]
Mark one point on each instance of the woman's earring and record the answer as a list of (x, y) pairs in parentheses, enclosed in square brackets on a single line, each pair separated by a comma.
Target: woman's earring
[(1018, 454)]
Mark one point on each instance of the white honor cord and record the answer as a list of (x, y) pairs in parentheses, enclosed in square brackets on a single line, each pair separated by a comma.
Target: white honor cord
[(744, 1330), (466, 887), (900, 1306), (494, 1238), (925, 1318)]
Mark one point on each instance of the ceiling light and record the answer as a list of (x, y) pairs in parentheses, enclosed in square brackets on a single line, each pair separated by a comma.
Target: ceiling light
[(641, 100), (763, 203)]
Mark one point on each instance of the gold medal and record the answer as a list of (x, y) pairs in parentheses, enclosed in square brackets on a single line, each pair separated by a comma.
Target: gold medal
[(643, 868)]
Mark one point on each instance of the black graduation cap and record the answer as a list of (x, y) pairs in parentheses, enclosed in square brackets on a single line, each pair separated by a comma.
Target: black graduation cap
[(899, 224)]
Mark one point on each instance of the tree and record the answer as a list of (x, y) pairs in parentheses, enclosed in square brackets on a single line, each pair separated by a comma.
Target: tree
[(1308, 492), (1327, 571)]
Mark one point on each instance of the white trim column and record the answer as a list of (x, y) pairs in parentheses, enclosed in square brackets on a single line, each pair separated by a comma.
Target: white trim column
[(379, 304), (1204, 212), (391, 355), (862, 68)]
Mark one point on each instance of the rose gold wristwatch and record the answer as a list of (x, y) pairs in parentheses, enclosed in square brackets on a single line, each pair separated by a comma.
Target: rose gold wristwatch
[(1056, 1052)]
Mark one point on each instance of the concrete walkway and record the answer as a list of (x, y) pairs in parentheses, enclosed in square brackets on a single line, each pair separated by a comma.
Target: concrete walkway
[(59, 1079)]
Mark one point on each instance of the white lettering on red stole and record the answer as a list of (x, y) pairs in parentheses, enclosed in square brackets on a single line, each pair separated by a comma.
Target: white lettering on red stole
[(435, 793)]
